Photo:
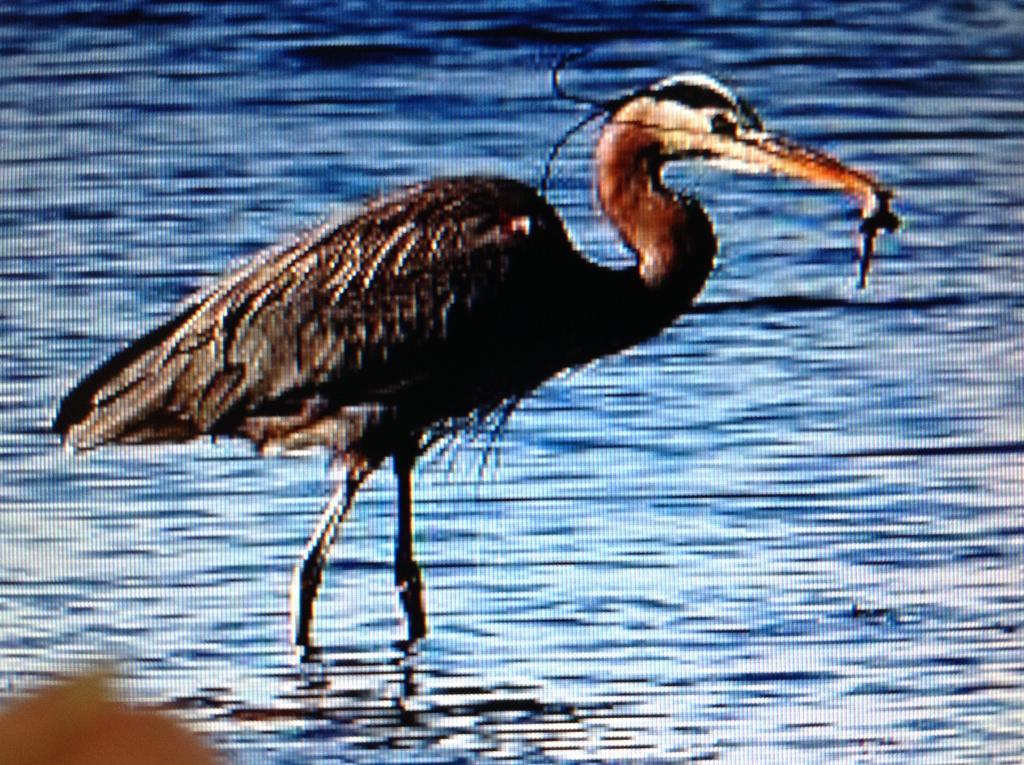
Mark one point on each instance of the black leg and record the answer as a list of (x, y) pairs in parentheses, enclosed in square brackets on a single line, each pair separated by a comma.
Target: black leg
[(408, 578), (309, 575)]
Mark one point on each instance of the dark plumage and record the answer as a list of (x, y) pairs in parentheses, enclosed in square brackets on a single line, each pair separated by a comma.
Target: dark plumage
[(400, 313)]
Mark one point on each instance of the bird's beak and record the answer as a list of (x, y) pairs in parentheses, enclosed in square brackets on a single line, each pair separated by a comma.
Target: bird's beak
[(684, 133), (760, 152)]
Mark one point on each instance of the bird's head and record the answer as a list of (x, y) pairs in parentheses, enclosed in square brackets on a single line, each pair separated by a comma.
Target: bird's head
[(692, 116), (695, 116)]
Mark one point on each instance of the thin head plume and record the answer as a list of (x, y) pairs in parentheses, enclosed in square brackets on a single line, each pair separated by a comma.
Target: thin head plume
[(556, 82), (597, 109), (553, 154)]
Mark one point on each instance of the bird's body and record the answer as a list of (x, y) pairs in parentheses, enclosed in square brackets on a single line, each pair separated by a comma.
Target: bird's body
[(430, 307), (435, 305)]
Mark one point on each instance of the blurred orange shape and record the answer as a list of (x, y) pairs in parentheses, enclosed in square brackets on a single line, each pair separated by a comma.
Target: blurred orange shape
[(77, 723)]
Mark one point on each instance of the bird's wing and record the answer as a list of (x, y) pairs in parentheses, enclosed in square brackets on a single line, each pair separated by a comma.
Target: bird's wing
[(351, 310)]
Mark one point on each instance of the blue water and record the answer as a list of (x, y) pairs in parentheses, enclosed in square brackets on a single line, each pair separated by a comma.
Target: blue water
[(787, 529)]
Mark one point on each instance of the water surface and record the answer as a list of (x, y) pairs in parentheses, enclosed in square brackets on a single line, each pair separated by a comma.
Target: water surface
[(787, 529)]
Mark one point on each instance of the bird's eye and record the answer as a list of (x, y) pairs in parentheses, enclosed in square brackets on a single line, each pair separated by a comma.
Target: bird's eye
[(723, 124)]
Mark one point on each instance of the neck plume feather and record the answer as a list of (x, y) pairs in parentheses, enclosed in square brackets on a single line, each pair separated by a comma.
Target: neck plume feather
[(672, 237)]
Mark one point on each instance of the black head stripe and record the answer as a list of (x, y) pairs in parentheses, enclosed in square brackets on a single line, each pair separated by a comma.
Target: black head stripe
[(693, 95), (696, 91)]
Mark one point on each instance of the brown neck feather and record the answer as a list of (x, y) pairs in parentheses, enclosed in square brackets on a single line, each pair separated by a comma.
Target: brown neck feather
[(671, 237)]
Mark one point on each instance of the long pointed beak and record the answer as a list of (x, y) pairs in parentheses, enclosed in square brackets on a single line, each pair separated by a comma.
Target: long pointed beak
[(768, 153)]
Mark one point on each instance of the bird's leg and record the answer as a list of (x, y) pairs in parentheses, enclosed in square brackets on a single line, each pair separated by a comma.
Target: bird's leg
[(408, 578), (309, 574)]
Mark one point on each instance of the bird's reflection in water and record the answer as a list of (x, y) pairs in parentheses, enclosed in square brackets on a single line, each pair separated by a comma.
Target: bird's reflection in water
[(385, 703), (388, 701)]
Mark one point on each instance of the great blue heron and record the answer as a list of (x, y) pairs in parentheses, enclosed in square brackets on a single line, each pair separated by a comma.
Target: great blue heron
[(376, 335)]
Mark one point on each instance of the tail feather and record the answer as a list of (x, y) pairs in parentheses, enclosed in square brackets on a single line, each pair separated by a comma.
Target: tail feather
[(120, 401)]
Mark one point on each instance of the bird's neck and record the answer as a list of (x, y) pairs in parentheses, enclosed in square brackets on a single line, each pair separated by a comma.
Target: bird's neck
[(672, 237)]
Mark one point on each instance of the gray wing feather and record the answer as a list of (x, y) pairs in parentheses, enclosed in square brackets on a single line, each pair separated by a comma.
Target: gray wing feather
[(353, 306)]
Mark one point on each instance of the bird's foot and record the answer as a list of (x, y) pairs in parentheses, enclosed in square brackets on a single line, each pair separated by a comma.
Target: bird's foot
[(409, 581), (305, 585)]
